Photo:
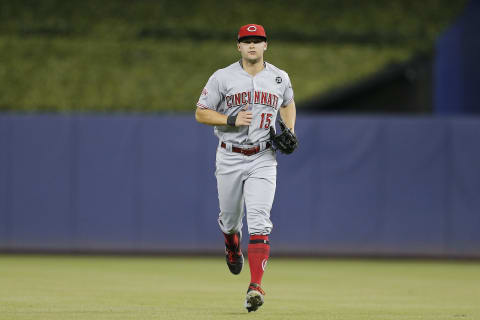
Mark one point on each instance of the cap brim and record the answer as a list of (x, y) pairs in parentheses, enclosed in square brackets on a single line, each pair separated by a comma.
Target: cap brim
[(246, 37)]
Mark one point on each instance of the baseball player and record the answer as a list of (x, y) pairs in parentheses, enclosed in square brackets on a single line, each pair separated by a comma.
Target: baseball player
[(242, 102)]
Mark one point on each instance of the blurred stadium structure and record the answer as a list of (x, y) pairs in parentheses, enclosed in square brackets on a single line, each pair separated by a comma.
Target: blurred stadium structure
[(143, 182)]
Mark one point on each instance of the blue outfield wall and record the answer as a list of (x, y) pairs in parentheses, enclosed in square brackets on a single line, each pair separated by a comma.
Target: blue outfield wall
[(356, 185)]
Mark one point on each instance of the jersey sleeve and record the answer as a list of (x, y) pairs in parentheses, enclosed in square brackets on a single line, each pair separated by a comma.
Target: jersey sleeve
[(211, 96), (288, 93)]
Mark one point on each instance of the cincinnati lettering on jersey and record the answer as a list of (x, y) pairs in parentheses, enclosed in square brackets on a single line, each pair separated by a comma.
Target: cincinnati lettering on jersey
[(259, 97)]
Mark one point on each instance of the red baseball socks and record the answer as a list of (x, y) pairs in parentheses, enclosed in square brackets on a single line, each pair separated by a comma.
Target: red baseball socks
[(258, 253)]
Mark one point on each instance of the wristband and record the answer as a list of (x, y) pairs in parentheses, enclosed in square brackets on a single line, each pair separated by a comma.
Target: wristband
[(231, 120)]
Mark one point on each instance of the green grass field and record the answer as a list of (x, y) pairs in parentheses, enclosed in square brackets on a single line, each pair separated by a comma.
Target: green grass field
[(81, 287)]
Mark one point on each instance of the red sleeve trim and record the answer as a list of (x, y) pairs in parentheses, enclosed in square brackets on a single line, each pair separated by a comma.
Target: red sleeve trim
[(202, 106)]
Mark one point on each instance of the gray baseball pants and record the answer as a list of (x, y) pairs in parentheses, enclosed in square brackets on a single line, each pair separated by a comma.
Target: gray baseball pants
[(248, 181)]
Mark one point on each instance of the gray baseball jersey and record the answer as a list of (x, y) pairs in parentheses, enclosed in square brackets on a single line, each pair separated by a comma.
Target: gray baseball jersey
[(232, 88)]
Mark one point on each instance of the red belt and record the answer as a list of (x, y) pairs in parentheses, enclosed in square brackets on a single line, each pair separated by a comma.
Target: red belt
[(246, 151)]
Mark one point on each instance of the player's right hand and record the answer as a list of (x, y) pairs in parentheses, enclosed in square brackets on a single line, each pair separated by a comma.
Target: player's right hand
[(244, 117)]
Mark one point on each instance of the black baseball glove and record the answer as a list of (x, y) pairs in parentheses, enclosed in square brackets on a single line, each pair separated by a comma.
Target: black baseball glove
[(286, 141)]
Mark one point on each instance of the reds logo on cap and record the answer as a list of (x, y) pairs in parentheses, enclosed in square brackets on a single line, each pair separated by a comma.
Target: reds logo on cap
[(251, 30)]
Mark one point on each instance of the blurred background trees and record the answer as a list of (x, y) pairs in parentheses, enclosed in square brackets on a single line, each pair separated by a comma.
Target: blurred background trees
[(156, 56)]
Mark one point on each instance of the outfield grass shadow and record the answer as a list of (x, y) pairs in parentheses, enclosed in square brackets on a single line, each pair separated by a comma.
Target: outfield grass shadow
[(237, 313)]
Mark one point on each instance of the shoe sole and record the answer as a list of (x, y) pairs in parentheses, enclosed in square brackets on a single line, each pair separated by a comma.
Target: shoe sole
[(253, 301)]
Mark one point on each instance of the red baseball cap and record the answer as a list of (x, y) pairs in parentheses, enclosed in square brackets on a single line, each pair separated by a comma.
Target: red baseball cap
[(251, 30)]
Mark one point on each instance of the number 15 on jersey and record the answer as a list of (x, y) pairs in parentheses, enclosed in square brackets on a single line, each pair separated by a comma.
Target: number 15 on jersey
[(266, 120)]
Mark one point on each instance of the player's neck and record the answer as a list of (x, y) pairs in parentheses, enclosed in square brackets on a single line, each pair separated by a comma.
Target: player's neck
[(252, 68)]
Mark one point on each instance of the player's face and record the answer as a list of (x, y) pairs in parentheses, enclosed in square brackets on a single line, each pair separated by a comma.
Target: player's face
[(252, 48)]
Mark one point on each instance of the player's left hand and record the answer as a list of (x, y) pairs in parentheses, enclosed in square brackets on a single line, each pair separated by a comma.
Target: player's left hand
[(286, 141)]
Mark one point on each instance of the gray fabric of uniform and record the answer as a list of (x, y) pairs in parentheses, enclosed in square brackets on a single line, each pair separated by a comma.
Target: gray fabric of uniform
[(232, 82), (249, 180)]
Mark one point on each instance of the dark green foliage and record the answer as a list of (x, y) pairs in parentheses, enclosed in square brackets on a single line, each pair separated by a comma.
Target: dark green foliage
[(148, 55)]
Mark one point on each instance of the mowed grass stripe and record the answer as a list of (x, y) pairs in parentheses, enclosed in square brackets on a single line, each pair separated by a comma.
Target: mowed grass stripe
[(82, 287)]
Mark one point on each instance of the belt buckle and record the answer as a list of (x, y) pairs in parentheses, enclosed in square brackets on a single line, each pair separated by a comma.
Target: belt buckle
[(249, 151)]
